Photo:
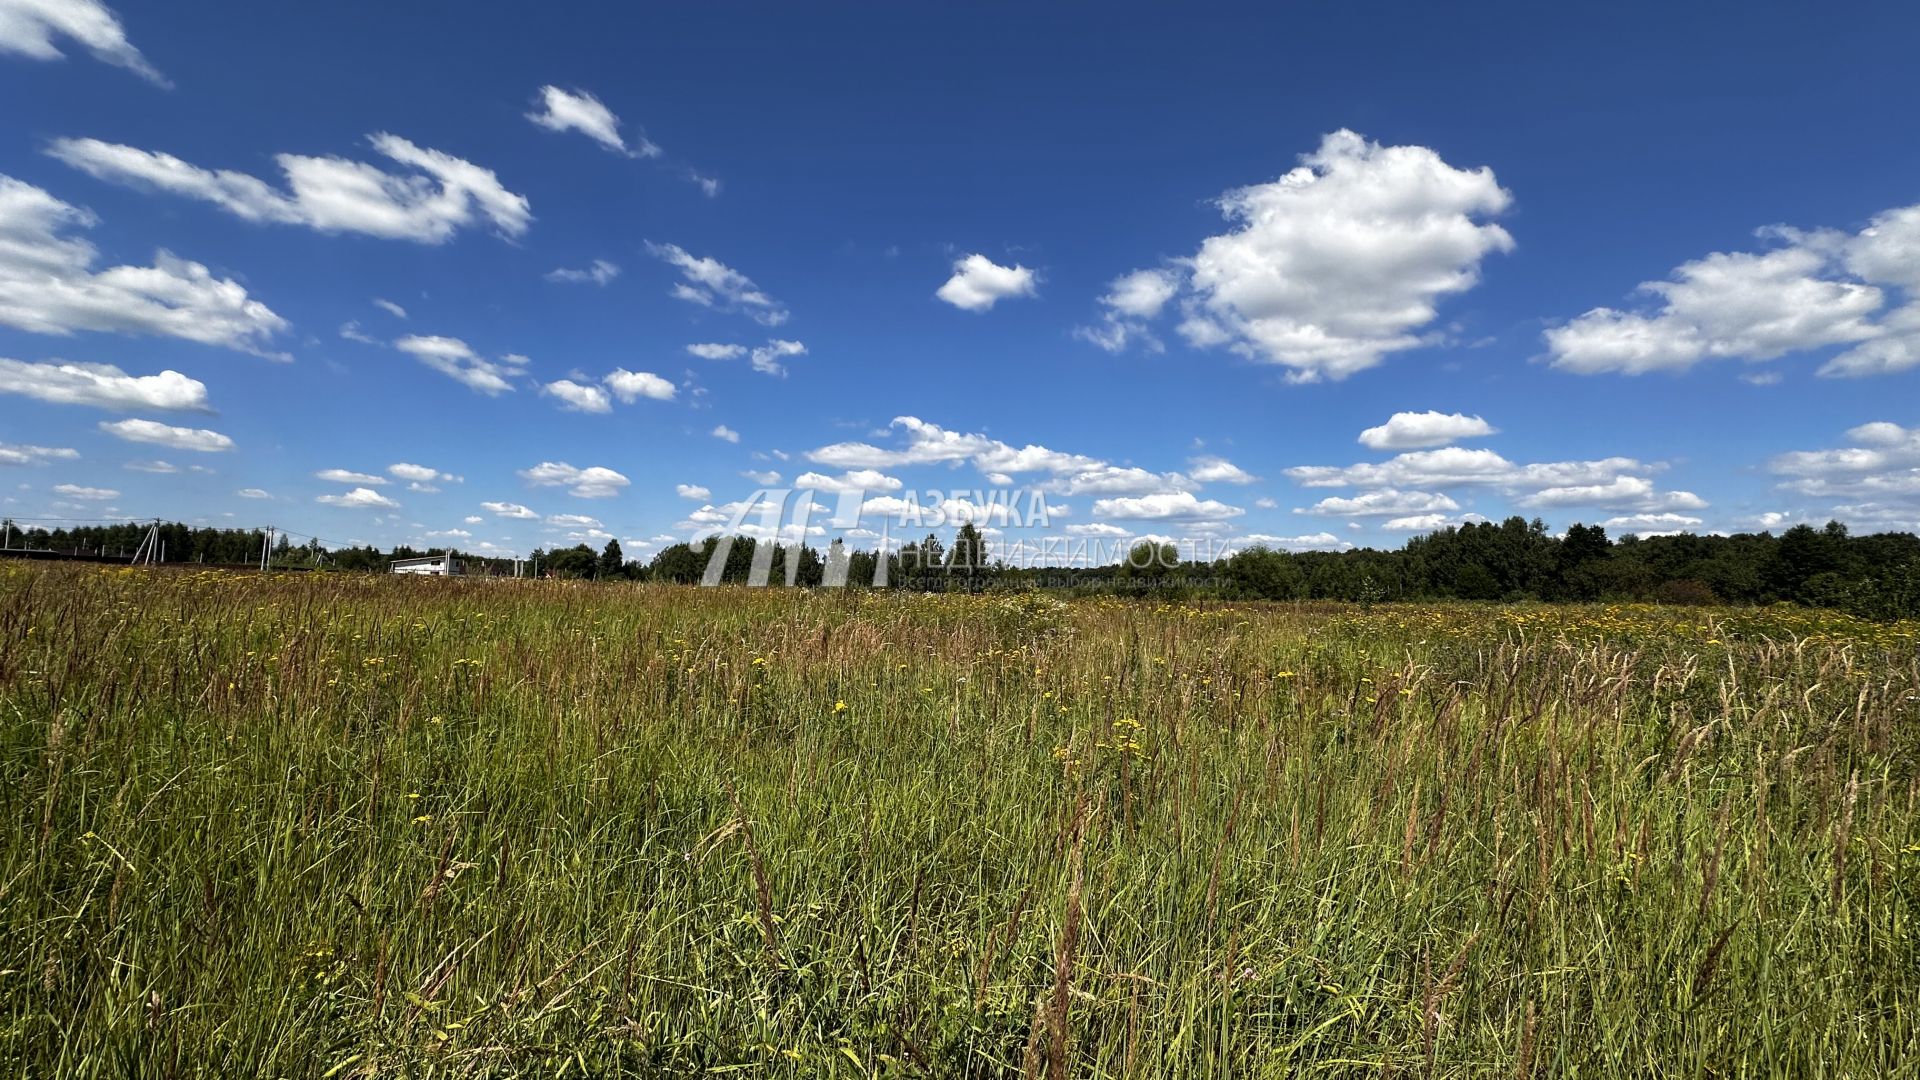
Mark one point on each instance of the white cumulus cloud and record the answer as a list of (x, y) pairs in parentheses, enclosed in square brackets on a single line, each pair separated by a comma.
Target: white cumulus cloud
[(631, 386), (593, 482), (978, 283), (1411, 430), (48, 285), (360, 498), (1334, 265), (578, 397), (102, 386)]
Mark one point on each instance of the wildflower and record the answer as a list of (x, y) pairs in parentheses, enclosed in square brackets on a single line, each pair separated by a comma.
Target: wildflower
[(839, 706), (423, 819)]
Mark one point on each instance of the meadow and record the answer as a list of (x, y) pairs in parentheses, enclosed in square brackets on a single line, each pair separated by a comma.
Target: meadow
[(334, 825)]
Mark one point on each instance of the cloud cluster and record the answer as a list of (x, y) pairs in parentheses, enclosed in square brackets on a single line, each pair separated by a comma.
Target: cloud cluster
[(1412, 483), (433, 196), (48, 286), (1328, 269), (1879, 475), (593, 482), (26, 454), (628, 386), (1813, 290)]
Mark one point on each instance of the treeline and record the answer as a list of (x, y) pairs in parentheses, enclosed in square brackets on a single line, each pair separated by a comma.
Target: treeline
[(222, 547), (1875, 576)]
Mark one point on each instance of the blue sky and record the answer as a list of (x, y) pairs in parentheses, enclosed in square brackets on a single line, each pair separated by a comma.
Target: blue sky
[(1164, 265)]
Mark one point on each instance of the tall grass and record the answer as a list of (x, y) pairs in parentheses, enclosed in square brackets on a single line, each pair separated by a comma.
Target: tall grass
[(343, 826)]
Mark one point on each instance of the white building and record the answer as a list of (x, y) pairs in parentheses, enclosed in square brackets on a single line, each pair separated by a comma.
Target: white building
[(432, 565)]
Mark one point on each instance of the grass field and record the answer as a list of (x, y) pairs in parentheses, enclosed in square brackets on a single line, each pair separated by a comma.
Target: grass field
[(342, 826)]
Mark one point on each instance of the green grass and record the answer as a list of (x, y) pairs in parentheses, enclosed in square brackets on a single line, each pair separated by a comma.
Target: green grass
[(327, 825)]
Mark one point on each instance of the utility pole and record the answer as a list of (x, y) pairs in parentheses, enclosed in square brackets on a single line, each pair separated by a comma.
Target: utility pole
[(266, 546)]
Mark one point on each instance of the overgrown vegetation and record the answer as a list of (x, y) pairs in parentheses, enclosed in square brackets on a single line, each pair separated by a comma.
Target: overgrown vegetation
[(1874, 577), (338, 825)]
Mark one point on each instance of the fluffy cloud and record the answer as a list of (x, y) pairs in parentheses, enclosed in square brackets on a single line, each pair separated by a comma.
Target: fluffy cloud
[(999, 462), (1320, 541), (433, 196), (1429, 522), (713, 284), (509, 510), (347, 476), (1166, 506), (48, 286), (1653, 524), (712, 351), (854, 480), (102, 386), (573, 521), (692, 491), (563, 110), (28, 28), (1620, 493), (421, 474), (599, 273), (1411, 430), (1815, 289), (456, 359), (1386, 502), (1332, 266), (1879, 475), (1218, 470), (1132, 300), (24, 454), (631, 386), (593, 482), (578, 397), (360, 498), (978, 283), (766, 358), (88, 494), (177, 438), (722, 431), (1617, 483)]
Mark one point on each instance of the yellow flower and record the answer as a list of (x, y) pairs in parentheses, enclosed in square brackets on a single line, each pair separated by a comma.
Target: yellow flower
[(839, 706)]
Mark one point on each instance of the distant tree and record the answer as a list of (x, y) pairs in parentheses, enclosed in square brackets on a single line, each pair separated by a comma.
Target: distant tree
[(574, 562), (969, 554), (612, 563)]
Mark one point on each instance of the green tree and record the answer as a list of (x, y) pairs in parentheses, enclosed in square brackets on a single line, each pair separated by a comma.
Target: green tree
[(612, 563)]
